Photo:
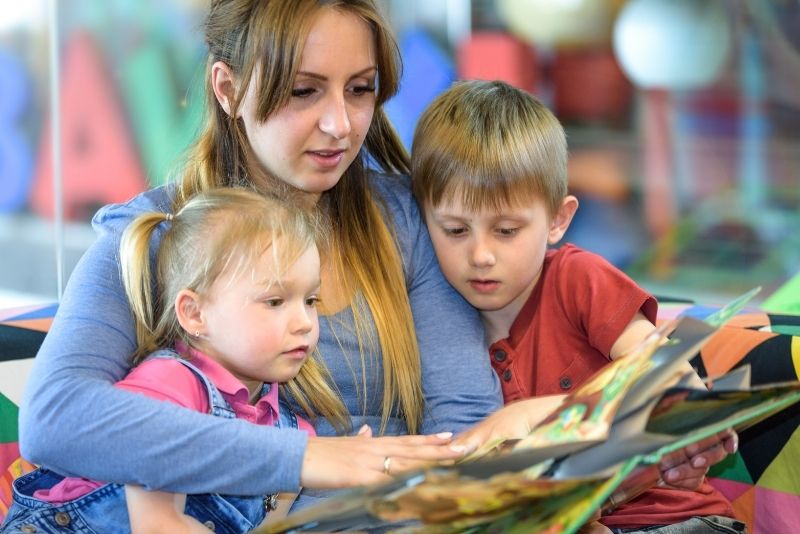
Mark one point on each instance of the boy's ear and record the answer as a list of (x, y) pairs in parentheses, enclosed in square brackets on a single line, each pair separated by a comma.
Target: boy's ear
[(562, 219), (189, 311), (224, 85)]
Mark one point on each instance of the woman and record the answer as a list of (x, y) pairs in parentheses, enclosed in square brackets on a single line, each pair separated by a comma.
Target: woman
[(294, 94)]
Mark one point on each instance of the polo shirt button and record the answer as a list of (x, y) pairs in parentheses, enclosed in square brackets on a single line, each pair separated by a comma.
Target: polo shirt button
[(565, 383), (210, 526), (62, 519), (500, 355), (507, 375)]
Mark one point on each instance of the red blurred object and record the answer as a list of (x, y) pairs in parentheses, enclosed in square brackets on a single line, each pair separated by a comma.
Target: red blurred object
[(99, 158), (497, 56), (589, 86)]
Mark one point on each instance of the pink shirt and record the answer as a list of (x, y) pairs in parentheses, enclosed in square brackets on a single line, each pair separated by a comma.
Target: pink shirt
[(169, 380)]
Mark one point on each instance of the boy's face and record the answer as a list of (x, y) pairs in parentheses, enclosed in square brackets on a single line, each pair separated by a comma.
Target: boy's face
[(494, 259)]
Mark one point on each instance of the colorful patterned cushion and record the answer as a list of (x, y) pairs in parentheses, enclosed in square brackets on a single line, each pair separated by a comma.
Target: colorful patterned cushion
[(21, 333), (762, 480)]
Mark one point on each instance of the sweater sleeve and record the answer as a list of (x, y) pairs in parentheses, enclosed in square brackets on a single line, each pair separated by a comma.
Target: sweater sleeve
[(459, 384), (74, 421)]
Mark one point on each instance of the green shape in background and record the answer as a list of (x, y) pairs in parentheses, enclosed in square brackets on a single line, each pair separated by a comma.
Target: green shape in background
[(164, 121), (9, 429), (731, 468), (786, 299), (782, 474)]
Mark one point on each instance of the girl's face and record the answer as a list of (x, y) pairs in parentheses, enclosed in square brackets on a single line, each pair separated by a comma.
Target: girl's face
[(311, 141), (263, 333)]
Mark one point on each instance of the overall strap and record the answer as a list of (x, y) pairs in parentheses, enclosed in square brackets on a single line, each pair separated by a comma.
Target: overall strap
[(286, 417), (221, 408), (218, 405)]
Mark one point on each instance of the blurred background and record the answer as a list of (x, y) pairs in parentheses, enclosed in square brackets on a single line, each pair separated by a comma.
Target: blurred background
[(683, 119)]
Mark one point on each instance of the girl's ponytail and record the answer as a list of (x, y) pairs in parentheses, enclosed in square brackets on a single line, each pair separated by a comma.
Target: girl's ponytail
[(137, 275)]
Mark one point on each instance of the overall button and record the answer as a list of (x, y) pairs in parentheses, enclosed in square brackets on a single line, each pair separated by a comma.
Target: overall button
[(271, 502), (62, 519), (565, 382), (28, 529), (210, 526), (507, 375), (500, 355)]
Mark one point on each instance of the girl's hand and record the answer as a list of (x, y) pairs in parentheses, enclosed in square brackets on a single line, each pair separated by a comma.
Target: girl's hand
[(512, 421), (594, 527), (159, 512), (337, 462)]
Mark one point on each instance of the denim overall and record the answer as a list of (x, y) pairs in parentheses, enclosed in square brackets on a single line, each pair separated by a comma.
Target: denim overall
[(104, 510)]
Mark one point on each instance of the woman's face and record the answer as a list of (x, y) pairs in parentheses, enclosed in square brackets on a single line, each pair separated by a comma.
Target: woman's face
[(311, 141)]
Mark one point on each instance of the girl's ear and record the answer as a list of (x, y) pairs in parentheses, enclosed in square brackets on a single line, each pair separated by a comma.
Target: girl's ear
[(563, 218), (224, 85), (189, 311)]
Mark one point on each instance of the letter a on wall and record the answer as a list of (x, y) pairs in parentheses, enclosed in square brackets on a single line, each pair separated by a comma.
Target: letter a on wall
[(99, 158)]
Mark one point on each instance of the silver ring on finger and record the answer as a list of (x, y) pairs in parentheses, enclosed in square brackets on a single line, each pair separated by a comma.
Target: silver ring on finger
[(387, 463)]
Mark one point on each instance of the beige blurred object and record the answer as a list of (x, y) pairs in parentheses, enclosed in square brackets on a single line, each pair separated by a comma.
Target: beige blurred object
[(559, 23), (599, 173)]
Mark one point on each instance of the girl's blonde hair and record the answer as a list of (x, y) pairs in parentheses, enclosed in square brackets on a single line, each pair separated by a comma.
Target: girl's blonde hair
[(262, 42), (490, 145), (220, 231)]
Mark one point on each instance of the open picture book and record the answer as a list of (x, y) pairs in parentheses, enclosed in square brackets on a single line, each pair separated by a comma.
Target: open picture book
[(599, 448)]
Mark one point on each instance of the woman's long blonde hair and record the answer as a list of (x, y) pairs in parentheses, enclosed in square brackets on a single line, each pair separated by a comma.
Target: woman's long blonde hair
[(218, 231), (265, 38)]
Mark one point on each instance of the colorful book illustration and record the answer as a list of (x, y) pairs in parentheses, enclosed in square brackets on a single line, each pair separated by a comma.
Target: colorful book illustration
[(600, 447)]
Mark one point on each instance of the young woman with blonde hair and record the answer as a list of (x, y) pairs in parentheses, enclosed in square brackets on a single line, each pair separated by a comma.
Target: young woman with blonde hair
[(295, 93)]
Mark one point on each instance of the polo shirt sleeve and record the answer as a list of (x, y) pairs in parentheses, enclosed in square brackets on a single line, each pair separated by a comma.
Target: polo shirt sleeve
[(600, 299), (167, 380)]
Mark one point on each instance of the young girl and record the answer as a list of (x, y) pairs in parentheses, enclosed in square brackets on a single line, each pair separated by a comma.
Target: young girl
[(238, 284)]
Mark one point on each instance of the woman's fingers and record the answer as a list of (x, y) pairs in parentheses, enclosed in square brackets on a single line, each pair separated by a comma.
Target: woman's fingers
[(351, 461)]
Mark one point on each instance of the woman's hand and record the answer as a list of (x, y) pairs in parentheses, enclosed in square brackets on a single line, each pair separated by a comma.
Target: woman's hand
[(337, 462), (512, 421), (686, 468)]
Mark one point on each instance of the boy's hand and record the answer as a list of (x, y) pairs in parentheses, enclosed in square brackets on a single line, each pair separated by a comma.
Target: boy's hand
[(686, 469), (594, 526), (510, 422)]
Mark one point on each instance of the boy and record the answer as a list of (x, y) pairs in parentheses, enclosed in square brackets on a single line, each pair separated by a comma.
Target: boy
[(489, 169)]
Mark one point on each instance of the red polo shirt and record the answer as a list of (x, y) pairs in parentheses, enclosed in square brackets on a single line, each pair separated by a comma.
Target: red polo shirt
[(563, 335)]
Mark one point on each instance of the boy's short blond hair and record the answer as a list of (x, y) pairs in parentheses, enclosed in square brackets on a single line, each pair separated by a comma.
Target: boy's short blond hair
[(491, 146)]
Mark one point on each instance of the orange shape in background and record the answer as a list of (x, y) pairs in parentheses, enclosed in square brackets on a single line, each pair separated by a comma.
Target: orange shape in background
[(100, 161), (728, 346), (497, 56)]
